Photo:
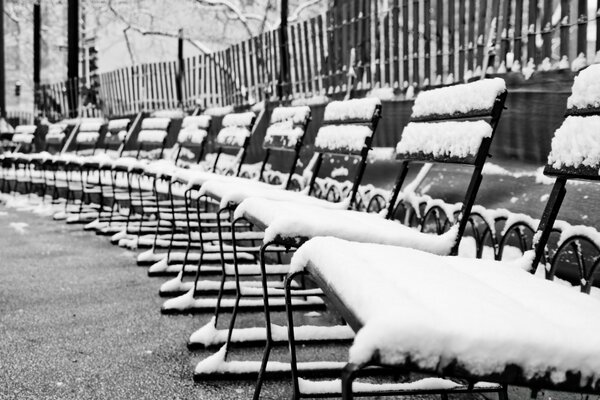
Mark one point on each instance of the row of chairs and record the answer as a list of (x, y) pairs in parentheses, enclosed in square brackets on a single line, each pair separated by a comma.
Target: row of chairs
[(234, 235)]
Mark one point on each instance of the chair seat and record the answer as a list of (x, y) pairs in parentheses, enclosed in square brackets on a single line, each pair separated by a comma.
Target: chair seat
[(485, 315), (285, 220)]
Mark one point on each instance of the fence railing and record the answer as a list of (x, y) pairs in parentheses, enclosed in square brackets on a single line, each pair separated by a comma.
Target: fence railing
[(370, 44)]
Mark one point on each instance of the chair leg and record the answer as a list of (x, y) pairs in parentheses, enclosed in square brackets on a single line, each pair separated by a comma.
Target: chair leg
[(291, 337), (348, 375)]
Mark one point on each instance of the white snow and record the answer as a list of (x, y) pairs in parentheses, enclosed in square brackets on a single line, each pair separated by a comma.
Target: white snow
[(285, 130), (576, 142), (56, 132), (22, 138), (170, 114), (459, 99), (117, 124), (90, 126), (25, 129), (586, 88), (335, 386), (292, 220), (218, 111), (198, 121), (87, 137), (298, 115), (233, 135), (355, 109), (240, 119), (191, 134), (444, 139), (382, 154), (310, 101), (588, 232), (155, 123), (19, 227), (338, 137), (151, 136), (408, 306)]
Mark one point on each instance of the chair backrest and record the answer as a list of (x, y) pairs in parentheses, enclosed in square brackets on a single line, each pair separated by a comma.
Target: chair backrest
[(348, 129), (234, 136), (116, 133), (153, 135), (88, 134), (24, 135), (193, 134), (454, 124), (574, 154), (285, 132), (56, 135)]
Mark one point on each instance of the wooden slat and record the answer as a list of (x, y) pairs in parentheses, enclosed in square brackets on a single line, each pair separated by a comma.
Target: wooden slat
[(405, 42), (427, 41), (582, 27), (396, 79), (462, 15), (481, 32), (531, 29), (518, 42), (547, 29)]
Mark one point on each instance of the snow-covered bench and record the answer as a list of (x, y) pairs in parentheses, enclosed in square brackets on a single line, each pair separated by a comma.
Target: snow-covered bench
[(471, 319)]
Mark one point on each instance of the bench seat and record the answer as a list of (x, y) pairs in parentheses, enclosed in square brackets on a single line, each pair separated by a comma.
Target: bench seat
[(481, 317)]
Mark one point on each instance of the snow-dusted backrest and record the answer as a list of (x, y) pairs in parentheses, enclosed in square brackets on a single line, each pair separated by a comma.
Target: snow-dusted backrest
[(575, 148), (56, 133), (450, 124), (117, 130), (25, 129), (287, 127), (585, 93), (194, 130), (348, 126), (89, 131), (154, 130), (237, 129), (219, 111), (170, 114), (474, 98)]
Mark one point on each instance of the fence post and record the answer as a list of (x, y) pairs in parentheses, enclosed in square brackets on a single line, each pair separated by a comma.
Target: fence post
[(180, 68), (37, 56), (2, 65), (283, 52), (73, 55)]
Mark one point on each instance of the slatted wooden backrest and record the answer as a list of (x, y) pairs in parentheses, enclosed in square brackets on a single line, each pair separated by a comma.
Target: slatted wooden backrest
[(153, 135), (193, 135), (348, 129), (116, 133), (454, 124), (234, 136), (56, 135), (24, 136), (89, 134), (286, 131)]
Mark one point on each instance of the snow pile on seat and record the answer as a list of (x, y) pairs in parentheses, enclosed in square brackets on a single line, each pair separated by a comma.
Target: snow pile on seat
[(355, 109), (219, 111), (459, 99), (118, 124), (87, 137), (239, 119), (151, 136), (290, 219), (576, 142), (197, 121), (155, 123), (170, 114), (297, 115), (585, 92), (448, 138), (438, 310), (338, 137)]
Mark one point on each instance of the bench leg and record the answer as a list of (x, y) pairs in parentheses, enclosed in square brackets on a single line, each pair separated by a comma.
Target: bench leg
[(290, 328), (348, 375)]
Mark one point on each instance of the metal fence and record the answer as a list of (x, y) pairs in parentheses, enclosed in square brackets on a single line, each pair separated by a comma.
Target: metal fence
[(395, 44)]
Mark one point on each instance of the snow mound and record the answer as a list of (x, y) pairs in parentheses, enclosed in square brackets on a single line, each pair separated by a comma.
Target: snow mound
[(576, 142)]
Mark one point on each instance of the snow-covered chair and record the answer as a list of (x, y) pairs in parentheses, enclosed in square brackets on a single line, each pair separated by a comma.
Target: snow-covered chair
[(233, 139), (449, 125), (284, 135), (470, 319), (20, 141)]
